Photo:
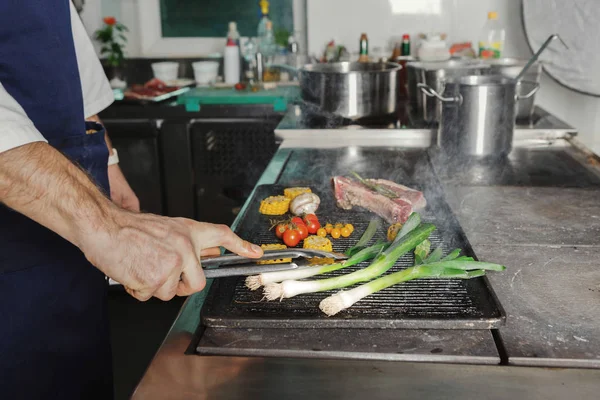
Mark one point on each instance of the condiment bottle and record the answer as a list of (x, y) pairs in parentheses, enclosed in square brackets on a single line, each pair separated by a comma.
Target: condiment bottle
[(364, 48), (231, 58), (491, 42), (405, 45), (397, 51)]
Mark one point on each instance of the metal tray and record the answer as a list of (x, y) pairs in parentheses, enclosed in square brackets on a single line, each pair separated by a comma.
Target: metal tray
[(420, 304)]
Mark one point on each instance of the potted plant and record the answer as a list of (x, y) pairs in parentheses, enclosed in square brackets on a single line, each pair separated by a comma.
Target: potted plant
[(112, 39)]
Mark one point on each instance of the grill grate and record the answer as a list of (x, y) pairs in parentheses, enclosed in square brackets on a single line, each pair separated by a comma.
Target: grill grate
[(426, 303)]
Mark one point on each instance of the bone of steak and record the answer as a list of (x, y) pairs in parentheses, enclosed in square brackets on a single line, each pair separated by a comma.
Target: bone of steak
[(405, 193), (350, 193)]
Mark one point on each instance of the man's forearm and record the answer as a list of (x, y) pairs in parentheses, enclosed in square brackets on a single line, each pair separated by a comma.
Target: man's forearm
[(39, 182)]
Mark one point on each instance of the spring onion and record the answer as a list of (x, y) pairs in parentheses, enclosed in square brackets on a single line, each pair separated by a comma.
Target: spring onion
[(442, 269), (422, 251), (256, 281), (383, 262), (451, 256), (364, 239)]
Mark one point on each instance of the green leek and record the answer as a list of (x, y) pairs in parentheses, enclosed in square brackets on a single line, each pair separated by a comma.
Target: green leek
[(442, 269), (382, 263)]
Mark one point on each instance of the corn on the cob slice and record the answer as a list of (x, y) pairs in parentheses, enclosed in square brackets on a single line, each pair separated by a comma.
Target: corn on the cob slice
[(274, 205), (293, 192), (274, 246), (317, 243), (393, 230)]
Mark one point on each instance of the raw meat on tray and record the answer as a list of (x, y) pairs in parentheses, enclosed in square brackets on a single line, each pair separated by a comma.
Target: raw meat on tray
[(395, 205)]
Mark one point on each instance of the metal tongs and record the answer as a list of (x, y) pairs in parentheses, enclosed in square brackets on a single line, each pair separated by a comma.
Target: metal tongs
[(249, 266)]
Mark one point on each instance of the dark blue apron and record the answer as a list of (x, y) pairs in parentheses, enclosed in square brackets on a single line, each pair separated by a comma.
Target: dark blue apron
[(54, 337)]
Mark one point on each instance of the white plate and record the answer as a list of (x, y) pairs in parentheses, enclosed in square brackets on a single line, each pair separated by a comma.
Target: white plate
[(180, 82)]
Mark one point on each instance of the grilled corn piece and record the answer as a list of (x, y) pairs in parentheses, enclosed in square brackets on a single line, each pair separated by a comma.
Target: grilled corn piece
[(317, 243), (274, 205), (274, 246), (293, 192), (393, 230)]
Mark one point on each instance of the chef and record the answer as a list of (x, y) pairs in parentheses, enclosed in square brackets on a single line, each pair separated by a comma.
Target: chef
[(60, 234)]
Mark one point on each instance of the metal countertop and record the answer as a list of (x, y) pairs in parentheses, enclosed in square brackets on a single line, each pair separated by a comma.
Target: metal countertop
[(546, 235)]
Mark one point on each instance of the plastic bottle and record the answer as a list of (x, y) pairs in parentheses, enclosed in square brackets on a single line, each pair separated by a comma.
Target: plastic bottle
[(491, 41), (267, 44), (264, 18), (233, 36), (268, 48), (231, 58)]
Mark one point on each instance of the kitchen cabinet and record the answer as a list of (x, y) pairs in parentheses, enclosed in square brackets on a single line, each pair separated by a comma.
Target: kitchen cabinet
[(196, 165), (212, 165)]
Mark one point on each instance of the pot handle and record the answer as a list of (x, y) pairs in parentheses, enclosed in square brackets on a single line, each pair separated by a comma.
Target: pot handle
[(428, 91), (528, 95)]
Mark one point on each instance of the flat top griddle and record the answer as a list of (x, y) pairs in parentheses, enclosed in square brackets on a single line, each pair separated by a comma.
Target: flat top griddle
[(420, 304)]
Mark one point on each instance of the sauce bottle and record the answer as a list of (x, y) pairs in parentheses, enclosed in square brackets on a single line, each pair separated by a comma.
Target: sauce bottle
[(491, 41), (363, 48)]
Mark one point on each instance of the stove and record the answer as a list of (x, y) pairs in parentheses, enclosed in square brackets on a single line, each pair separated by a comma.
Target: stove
[(307, 117)]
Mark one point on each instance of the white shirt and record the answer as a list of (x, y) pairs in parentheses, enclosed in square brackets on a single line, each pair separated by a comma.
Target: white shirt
[(16, 129)]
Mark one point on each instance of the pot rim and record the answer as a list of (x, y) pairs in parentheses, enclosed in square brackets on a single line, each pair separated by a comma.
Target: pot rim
[(512, 62), (481, 80), (389, 67), (447, 65)]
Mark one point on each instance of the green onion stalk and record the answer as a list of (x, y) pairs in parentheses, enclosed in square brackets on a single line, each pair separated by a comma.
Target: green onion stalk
[(382, 263), (364, 239), (256, 281), (457, 268)]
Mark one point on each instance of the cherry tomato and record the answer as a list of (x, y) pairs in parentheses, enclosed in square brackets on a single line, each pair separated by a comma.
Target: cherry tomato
[(345, 232), (338, 226), (350, 226), (291, 238), (280, 229), (328, 228), (302, 230), (322, 232), (297, 221), (335, 233), (313, 226), (310, 217)]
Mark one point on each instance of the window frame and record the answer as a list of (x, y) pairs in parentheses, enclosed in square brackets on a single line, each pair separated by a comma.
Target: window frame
[(153, 44)]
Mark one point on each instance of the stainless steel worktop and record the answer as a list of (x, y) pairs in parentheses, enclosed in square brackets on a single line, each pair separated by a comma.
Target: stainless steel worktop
[(545, 232)]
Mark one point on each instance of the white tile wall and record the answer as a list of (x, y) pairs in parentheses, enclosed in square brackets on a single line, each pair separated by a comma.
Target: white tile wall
[(383, 20)]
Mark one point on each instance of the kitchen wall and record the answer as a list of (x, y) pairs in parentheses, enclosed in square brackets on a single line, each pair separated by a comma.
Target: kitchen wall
[(345, 20), (462, 20)]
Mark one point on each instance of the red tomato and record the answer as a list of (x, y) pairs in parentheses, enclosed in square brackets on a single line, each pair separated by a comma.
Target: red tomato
[(280, 229), (297, 221), (302, 230), (313, 226), (310, 217), (291, 238)]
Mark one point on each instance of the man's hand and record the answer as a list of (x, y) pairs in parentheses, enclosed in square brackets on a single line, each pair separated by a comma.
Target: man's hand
[(120, 191), (159, 256), (147, 253)]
